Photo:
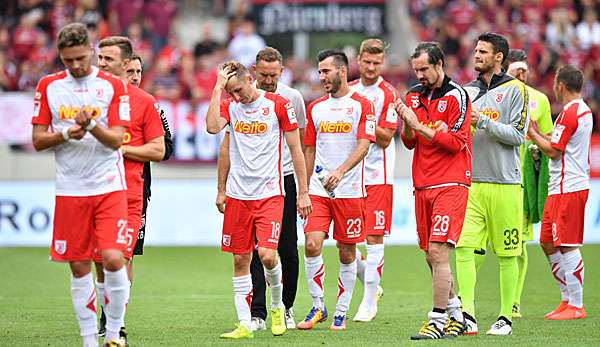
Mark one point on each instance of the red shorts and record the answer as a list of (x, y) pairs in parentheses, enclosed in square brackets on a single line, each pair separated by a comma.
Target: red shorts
[(378, 209), (348, 217), (85, 223), (134, 220), (250, 222), (440, 214), (563, 219)]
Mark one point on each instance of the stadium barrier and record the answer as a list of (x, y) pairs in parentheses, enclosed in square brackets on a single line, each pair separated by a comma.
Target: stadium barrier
[(182, 213)]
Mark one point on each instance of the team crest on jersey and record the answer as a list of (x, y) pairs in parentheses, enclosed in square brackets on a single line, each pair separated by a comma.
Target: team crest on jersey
[(349, 110), (99, 93), (60, 246), (532, 104), (265, 111), (499, 97), (227, 240), (442, 106), (414, 101)]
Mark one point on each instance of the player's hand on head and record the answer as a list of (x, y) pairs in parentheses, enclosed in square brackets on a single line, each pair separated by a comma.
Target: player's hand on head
[(224, 75), (220, 202), (332, 181), (76, 132), (303, 205)]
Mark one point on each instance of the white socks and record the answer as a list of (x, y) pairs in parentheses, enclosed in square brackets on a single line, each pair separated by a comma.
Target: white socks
[(558, 271), (574, 271), (242, 296), (346, 282), (117, 288), (439, 319), (315, 275), (83, 297), (361, 265), (101, 293), (454, 309), (373, 268), (273, 278)]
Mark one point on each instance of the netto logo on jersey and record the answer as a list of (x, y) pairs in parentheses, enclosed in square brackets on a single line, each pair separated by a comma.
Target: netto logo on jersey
[(490, 113), (254, 128), (69, 112), (126, 137), (430, 124), (335, 127)]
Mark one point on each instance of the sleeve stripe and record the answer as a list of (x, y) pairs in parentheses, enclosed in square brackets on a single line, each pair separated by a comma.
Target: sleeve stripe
[(525, 109), (463, 108)]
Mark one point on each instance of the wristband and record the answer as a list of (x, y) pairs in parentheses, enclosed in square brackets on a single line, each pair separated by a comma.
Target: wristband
[(65, 134), (91, 125)]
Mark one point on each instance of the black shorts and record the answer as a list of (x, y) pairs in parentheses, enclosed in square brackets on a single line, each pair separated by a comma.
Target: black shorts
[(139, 244)]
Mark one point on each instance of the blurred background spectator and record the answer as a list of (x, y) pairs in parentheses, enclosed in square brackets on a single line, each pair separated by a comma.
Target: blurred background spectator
[(553, 32)]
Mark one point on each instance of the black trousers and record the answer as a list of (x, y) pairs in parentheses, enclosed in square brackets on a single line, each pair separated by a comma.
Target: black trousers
[(288, 252)]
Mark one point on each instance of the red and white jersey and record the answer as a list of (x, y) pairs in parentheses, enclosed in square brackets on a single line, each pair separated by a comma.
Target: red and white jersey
[(572, 136), (84, 167), (379, 162), (146, 125), (256, 145), (334, 127)]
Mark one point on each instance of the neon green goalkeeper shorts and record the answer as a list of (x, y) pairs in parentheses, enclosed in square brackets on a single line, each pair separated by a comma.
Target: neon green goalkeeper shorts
[(495, 214)]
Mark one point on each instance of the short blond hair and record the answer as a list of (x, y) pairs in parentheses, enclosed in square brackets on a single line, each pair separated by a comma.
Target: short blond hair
[(372, 46)]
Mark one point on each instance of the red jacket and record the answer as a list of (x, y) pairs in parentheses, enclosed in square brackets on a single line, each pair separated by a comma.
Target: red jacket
[(447, 157)]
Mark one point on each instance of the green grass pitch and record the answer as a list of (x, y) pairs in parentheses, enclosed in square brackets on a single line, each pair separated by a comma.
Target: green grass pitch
[(183, 297)]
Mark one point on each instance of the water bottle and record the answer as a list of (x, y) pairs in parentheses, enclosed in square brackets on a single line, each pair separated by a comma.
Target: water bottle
[(321, 176)]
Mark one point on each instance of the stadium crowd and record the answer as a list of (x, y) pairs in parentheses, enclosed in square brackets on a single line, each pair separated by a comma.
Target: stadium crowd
[(553, 32)]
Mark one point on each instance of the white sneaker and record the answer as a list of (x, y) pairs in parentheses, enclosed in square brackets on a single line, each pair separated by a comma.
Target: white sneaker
[(470, 326), (364, 314), (501, 327), (257, 324), (290, 321)]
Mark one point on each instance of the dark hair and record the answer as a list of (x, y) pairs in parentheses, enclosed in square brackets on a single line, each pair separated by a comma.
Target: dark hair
[(515, 55), (571, 77), (498, 42), (433, 50), (71, 35), (269, 54), (122, 42), (134, 56), (339, 57)]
